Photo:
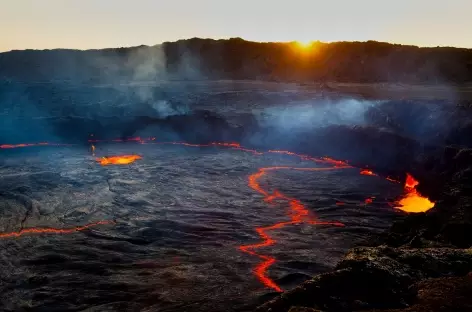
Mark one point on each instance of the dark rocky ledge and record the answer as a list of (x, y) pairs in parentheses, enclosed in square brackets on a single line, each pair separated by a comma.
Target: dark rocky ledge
[(422, 263)]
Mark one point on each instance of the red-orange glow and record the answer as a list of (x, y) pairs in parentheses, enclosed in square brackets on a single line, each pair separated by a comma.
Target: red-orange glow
[(324, 160), (413, 201), (31, 231), (8, 146), (410, 182), (304, 157), (118, 160), (335, 162), (367, 172), (297, 213), (133, 139), (392, 180)]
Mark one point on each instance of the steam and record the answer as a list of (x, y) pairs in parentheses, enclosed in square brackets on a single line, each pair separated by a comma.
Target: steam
[(316, 113), (145, 79), (106, 89), (164, 109), (21, 120)]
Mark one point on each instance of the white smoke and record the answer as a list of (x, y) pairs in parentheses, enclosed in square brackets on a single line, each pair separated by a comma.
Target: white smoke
[(316, 113)]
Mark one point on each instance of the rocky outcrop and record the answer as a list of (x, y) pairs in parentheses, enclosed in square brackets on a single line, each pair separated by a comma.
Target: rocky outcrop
[(441, 294), (374, 278), (416, 266), (435, 294)]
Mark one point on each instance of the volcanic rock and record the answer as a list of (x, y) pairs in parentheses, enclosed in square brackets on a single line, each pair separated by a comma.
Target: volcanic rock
[(374, 278), (441, 294), (395, 271), (303, 309)]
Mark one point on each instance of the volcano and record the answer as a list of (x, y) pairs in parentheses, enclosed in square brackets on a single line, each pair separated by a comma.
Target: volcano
[(202, 211), (158, 209)]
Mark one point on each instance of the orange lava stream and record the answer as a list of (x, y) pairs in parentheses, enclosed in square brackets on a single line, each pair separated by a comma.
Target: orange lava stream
[(52, 230), (413, 201), (235, 146), (392, 180), (297, 214), (323, 160), (118, 160), (8, 146), (367, 172)]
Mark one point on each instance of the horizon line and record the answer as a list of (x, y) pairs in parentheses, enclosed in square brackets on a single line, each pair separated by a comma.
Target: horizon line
[(238, 38)]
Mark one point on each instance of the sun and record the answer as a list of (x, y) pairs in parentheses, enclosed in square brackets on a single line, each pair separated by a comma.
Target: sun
[(305, 44)]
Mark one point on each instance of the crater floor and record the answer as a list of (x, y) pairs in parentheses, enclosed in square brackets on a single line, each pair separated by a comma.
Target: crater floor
[(170, 226)]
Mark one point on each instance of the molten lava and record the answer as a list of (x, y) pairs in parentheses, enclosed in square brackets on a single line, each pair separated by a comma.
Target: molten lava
[(323, 160), (413, 201), (52, 230), (392, 180), (118, 160), (297, 214), (367, 172), (410, 182), (8, 146)]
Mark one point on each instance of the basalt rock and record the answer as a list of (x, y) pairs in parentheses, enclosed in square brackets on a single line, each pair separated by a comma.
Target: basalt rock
[(393, 272), (450, 221), (374, 278), (303, 309), (441, 294)]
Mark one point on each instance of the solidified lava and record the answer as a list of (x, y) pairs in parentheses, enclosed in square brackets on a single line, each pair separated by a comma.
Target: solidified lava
[(325, 160), (8, 146), (413, 201), (133, 139), (52, 230), (118, 160), (235, 146), (297, 212)]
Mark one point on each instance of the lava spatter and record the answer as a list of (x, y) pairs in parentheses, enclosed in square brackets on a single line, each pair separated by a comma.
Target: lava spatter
[(413, 201)]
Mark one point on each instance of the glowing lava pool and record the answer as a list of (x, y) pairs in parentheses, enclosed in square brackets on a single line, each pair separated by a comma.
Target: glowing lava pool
[(118, 160), (182, 227)]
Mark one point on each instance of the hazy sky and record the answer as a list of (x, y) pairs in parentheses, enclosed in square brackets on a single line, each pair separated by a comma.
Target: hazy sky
[(85, 24)]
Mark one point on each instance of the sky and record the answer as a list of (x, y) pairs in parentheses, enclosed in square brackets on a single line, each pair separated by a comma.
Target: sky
[(92, 24)]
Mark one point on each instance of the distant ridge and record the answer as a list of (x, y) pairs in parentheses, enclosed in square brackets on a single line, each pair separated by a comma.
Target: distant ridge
[(235, 58)]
